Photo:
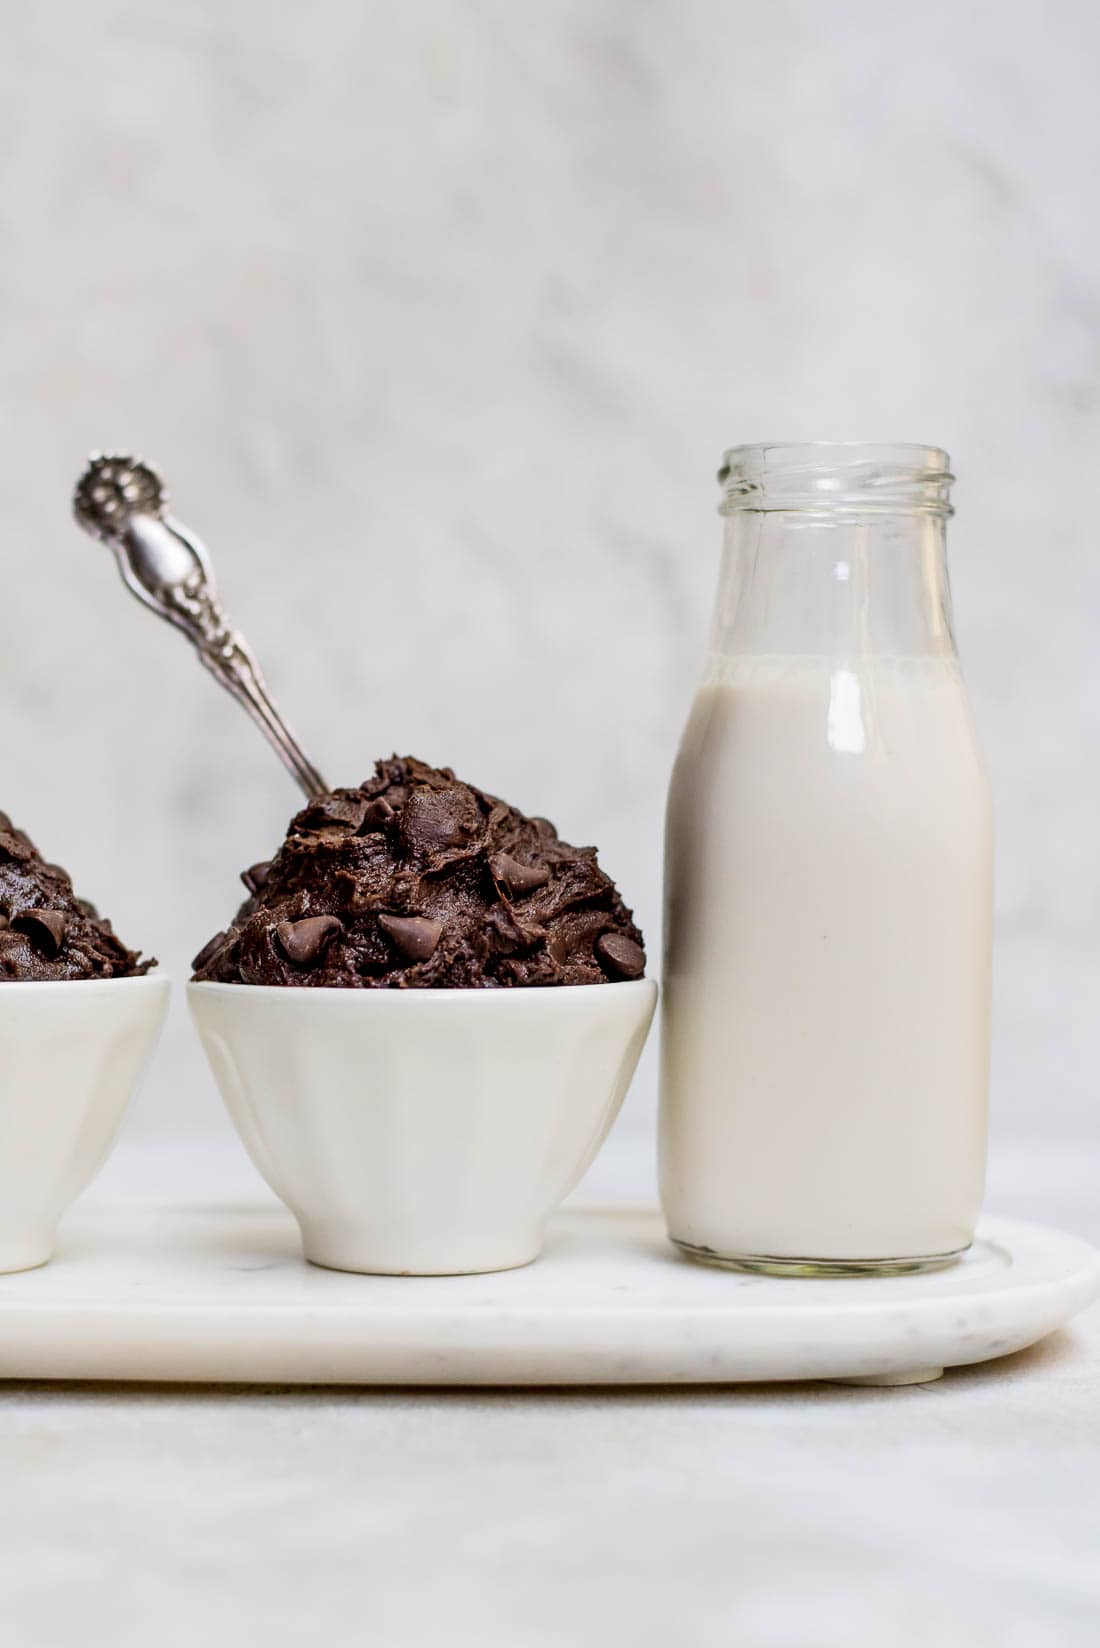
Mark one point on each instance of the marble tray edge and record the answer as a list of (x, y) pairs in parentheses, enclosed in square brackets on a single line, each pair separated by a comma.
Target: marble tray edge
[(487, 1335)]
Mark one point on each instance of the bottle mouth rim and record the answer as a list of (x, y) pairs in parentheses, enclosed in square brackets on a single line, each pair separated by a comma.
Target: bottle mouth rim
[(829, 476), (788, 454)]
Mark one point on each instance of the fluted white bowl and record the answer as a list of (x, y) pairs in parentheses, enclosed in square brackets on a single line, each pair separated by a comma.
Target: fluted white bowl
[(423, 1132), (71, 1053)]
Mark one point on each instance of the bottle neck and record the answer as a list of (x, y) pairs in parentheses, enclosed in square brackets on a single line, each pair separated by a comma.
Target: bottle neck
[(838, 585)]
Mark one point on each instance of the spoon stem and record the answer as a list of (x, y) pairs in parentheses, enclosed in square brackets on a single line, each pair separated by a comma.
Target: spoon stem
[(120, 501)]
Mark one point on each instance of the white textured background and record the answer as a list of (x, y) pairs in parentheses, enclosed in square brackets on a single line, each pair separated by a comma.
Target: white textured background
[(437, 317)]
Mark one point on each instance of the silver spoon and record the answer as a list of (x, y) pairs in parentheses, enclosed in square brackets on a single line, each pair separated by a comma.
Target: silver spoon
[(120, 501)]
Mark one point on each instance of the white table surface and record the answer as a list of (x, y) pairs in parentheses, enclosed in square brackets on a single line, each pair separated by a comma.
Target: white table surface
[(966, 1512)]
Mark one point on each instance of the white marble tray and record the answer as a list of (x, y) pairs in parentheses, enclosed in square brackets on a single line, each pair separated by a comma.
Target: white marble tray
[(221, 1294)]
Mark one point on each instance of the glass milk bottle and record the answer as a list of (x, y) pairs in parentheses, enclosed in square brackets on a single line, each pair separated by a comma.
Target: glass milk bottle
[(829, 881)]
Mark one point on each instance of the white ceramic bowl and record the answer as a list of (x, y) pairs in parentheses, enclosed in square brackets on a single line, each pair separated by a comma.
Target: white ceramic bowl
[(71, 1053), (423, 1132)]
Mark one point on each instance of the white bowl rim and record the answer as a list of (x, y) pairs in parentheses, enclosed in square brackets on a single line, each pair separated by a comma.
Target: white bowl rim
[(351, 992), (142, 982)]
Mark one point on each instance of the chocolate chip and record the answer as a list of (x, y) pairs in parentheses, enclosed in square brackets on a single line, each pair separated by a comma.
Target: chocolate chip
[(377, 816), (3, 923), (414, 937), (515, 878), (303, 941), (45, 928), (620, 955), (329, 811), (256, 876), (208, 952)]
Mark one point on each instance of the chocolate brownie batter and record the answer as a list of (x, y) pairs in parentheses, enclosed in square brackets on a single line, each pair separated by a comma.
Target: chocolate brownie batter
[(46, 932), (418, 880)]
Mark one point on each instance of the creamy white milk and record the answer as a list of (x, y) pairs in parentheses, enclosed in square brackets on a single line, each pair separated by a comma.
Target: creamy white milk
[(827, 979)]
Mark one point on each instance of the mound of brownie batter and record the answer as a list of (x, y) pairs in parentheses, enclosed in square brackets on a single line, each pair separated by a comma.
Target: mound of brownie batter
[(46, 932), (417, 880)]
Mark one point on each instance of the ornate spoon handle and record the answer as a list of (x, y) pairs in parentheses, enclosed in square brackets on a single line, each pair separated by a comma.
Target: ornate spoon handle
[(120, 501)]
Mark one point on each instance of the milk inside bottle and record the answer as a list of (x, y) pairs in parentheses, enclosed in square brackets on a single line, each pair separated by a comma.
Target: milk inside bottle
[(829, 860)]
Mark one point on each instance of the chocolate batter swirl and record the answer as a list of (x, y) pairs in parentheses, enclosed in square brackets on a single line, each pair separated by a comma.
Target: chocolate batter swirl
[(418, 880), (46, 932)]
